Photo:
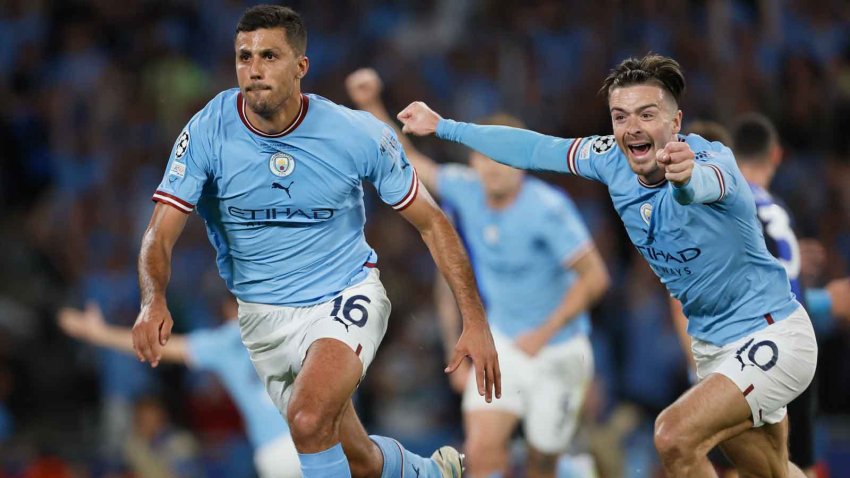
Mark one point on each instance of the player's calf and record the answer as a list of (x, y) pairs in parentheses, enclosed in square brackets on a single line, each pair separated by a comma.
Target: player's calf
[(485, 457)]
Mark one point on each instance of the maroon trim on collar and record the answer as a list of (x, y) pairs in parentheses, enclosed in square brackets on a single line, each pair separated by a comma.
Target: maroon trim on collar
[(652, 186), (302, 113)]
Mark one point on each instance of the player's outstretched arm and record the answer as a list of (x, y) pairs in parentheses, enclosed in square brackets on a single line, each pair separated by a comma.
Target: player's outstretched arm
[(153, 325), (364, 87), (692, 183), (475, 340), (588, 288), (88, 325), (520, 148)]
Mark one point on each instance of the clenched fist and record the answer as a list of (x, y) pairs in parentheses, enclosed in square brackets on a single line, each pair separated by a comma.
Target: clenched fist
[(677, 160), (419, 119)]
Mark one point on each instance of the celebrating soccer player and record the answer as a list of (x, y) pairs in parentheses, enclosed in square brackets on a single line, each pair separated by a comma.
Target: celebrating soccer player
[(688, 210), (539, 272), (758, 152), (277, 177)]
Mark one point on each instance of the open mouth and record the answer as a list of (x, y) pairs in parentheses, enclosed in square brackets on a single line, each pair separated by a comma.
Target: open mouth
[(640, 149)]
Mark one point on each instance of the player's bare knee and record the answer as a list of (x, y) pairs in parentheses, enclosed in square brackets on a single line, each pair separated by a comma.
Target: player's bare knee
[(309, 426), (672, 440)]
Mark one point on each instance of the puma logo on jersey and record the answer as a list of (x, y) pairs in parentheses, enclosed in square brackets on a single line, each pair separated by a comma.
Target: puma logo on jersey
[(284, 188)]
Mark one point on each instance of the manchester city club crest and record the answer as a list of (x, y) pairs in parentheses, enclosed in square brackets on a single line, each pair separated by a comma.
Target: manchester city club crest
[(281, 164), (646, 212)]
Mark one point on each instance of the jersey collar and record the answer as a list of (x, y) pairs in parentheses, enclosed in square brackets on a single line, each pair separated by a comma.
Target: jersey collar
[(651, 186), (302, 112)]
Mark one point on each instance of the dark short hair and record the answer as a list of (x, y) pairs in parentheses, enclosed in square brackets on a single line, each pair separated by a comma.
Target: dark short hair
[(276, 16), (656, 69), (753, 136), (710, 130)]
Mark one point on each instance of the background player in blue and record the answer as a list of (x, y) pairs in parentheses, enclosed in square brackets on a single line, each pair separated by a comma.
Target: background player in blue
[(220, 351), (277, 177), (689, 212), (539, 272)]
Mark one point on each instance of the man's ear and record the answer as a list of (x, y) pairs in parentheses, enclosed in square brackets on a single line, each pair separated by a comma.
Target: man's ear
[(677, 122)]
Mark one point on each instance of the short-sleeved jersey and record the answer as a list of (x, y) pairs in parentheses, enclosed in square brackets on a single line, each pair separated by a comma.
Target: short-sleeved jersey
[(779, 235), (220, 350), (711, 256), (520, 253), (285, 212)]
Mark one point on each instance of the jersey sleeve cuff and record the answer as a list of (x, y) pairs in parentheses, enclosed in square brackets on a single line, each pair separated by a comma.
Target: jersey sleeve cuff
[(572, 152), (173, 201), (720, 180), (573, 256), (408, 198)]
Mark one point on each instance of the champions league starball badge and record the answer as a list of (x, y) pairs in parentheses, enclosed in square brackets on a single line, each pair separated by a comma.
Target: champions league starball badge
[(603, 144), (182, 145), (281, 164)]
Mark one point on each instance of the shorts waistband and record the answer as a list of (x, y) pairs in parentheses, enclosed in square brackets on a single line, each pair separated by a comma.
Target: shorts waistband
[(255, 308)]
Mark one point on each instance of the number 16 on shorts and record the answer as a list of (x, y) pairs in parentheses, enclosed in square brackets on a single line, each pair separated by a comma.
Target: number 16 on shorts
[(357, 316), (351, 311)]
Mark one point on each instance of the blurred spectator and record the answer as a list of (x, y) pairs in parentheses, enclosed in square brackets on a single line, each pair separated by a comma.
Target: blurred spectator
[(158, 449)]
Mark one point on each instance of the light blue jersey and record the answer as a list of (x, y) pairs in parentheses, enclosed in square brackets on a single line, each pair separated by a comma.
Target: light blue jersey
[(520, 253), (703, 241), (285, 212), (220, 351)]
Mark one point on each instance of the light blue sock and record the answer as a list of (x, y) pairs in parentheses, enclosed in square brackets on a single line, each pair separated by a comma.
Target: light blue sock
[(331, 462), (396, 459)]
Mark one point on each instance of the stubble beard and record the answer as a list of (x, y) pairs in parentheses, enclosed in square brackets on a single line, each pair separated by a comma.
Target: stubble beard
[(263, 107)]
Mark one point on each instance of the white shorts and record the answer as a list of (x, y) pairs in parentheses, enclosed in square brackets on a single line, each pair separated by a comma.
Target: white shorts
[(771, 367), (278, 459), (277, 337), (546, 391)]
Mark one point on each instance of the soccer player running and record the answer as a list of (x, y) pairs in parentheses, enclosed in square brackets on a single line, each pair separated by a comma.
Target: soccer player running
[(689, 211), (758, 153), (220, 351), (539, 272), (277, 177)]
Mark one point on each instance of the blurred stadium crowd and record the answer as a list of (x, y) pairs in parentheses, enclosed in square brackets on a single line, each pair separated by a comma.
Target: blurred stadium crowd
[(94, 93)]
